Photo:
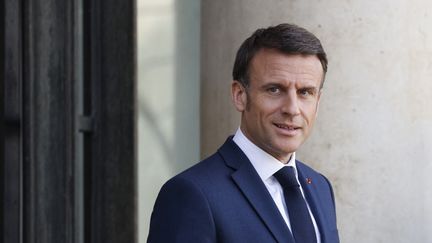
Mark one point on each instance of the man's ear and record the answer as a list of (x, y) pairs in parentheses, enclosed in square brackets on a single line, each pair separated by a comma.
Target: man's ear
[(238, 95)]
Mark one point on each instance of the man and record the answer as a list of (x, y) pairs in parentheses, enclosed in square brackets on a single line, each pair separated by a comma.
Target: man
[(253, 189)]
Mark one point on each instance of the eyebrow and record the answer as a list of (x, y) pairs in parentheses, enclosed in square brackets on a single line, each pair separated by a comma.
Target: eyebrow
[(267, 85), (309, 87), (273, 84)]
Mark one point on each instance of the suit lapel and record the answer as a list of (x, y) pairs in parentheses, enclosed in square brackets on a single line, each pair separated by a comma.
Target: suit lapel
[(255, 191), (313, 199)]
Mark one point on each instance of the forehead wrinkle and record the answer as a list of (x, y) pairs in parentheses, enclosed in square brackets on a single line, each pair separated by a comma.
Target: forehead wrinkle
[(267, 66), (283, 70)]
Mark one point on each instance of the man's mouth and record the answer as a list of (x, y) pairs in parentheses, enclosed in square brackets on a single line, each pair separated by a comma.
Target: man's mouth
[(287, 127)]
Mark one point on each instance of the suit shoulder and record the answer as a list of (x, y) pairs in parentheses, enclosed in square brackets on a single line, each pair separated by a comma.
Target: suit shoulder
[(181, 213), (214, 163), (204, 172), (183, 208), (191, 182)]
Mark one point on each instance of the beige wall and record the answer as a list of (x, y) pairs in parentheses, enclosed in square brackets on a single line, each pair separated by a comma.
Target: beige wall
[(373, 138)]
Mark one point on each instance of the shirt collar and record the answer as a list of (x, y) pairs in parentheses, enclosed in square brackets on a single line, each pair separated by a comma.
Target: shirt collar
[(265, 164)]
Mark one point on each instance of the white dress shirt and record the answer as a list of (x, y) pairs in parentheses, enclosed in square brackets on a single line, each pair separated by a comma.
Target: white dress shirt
[(266, 165)]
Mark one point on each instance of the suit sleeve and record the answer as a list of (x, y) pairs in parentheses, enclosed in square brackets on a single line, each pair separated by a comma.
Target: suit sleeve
[(181, 215)]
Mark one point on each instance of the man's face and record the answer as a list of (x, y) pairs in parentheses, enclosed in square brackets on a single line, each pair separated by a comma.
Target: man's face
[(280, 105)]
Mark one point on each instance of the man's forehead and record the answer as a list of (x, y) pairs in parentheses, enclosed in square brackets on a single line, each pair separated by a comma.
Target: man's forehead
[(275, 56), (275, 64)]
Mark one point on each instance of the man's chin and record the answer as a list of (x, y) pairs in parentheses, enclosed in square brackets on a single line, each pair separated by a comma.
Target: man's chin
[(284, 153), (287, 151), (287, 147)]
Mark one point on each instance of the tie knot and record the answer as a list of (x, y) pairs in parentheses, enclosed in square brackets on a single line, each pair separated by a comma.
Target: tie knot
[(286, 177)]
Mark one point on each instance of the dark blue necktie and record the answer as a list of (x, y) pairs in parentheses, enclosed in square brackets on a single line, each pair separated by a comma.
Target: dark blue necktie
[(301, 222)]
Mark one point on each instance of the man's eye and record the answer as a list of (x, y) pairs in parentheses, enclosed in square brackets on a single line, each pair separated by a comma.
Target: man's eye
[(273, 90), (306, 92)]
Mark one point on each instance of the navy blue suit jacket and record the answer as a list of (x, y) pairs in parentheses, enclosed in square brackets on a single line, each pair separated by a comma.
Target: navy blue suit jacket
[(222, 199)]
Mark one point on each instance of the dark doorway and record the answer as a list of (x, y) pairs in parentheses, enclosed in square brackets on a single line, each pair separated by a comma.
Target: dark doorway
[(68, 128)]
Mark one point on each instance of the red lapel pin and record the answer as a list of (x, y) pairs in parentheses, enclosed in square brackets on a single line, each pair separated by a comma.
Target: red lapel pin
[(309, 180)]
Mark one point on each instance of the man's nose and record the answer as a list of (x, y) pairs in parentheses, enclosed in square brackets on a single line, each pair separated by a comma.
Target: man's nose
[(290, 104)]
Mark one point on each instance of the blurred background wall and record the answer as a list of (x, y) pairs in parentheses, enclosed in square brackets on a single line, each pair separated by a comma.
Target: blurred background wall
[(373, 137), (168, 96)]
